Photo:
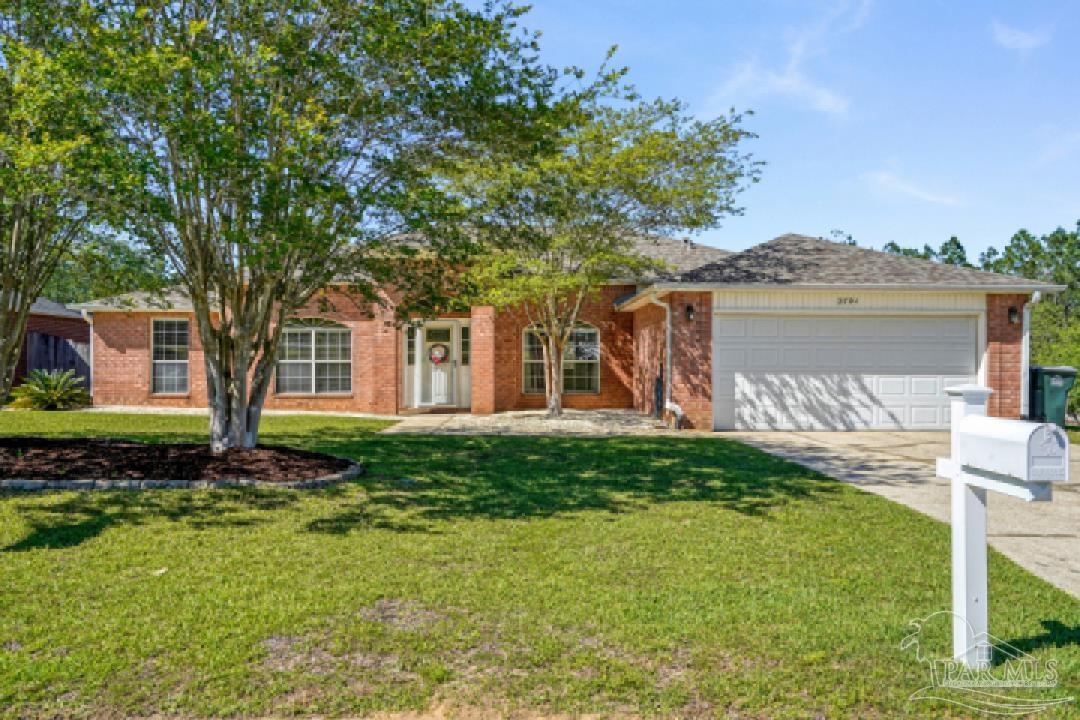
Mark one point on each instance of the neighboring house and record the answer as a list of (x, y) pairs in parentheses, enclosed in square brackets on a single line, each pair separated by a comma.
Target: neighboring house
[(797, 332), (57, 338)]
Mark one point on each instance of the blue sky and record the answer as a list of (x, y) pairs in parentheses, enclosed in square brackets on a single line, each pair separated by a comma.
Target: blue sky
[(890, 120)]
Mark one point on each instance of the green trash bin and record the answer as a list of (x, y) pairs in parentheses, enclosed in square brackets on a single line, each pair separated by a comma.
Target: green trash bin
[(1050, 388)]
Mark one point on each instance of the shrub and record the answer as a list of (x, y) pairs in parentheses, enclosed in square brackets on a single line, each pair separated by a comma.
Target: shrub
[(51, 390)]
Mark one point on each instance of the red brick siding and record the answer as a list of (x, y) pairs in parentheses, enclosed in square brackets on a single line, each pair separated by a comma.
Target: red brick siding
[(376, 355), (692, 358), (649, 349), (122, 360), (482, 358), (691, 387), (1004, 355), (121, 352), (616, 357), (75, 329)]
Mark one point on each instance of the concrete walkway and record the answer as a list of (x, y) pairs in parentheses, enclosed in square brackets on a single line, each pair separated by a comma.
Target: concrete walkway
[(1044, 538), (586, 423)]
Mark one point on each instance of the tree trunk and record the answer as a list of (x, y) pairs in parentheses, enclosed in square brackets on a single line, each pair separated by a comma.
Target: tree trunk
[(239, 367), (553, 361), (12, 335), (235, 404)]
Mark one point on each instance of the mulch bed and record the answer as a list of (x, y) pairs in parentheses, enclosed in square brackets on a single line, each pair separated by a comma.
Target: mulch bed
[(24, 457)]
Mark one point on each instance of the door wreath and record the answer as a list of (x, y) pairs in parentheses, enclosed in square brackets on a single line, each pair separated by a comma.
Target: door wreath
[(438, 354)]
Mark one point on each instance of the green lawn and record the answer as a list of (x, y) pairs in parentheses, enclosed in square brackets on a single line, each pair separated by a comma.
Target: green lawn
[(1074, 433), (653, 576)]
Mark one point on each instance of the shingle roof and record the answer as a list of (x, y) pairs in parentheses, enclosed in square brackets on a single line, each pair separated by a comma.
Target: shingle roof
[(678, 254), (167, 299), (45, 306), (801, 260)]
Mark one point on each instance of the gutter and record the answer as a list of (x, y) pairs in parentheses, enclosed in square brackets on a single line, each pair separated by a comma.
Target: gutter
[(666, 287), (88, 317), (668, 405)]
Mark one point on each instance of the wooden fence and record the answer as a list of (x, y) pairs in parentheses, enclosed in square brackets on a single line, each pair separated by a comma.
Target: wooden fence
[(49, 352)]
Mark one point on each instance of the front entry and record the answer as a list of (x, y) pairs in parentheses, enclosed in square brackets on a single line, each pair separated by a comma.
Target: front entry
[(439, 361), (437, 364)]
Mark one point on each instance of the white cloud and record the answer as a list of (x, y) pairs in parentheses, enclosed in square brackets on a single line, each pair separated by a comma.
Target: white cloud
[(890, 183), (752, 80), (1012, 38)]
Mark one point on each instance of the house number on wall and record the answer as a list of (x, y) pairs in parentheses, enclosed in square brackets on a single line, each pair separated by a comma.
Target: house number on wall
[(847, 301)]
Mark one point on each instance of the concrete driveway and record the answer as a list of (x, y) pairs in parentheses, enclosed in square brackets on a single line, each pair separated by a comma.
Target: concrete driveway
[(1042, 537)]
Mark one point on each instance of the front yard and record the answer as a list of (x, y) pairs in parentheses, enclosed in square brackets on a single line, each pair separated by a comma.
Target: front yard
[(624, 576)]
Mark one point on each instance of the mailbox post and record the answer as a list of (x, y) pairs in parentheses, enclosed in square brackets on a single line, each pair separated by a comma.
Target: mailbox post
[(1012, 457)]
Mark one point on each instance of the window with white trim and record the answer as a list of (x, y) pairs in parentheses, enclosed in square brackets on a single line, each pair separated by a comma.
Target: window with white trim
[(581, 361), (314, 358), (169, 354)]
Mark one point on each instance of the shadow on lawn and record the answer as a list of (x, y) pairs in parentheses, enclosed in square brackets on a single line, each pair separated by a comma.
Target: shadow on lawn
[(85, 515), (1057, 635), (416, 481)]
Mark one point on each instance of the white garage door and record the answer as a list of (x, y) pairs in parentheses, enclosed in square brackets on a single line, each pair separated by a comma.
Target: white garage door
[(839, 373)]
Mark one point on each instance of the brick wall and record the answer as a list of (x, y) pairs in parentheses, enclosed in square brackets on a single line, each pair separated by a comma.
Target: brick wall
[(122, 360), (376, 357), (692, 358), (649, 348), (616, 356), (75, 329), (1004, 355), (482, 358), (691, 380), (121, 352)]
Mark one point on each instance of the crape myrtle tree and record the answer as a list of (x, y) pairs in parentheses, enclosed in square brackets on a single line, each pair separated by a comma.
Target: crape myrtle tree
[(559, 224), (52, 165), (287, 144), (100, 264)]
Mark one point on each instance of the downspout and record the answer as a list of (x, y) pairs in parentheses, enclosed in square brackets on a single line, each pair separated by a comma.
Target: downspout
[(1025, 357), (668, 405), (89, 318)]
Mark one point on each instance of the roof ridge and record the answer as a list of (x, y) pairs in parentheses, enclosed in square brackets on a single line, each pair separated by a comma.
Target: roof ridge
[(794, 258)]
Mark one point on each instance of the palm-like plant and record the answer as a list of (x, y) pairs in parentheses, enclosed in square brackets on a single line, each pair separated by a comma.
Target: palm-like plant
[(51, 390)]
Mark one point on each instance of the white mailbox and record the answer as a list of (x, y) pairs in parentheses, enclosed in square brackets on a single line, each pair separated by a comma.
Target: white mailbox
[(1012, 457), (1022, 451)]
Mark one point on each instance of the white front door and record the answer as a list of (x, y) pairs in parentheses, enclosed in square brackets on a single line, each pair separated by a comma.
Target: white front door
[(804, 372), (439, 358)]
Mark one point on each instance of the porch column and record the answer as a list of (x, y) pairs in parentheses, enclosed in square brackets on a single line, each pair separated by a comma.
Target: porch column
[(418, 367), (482, 359)]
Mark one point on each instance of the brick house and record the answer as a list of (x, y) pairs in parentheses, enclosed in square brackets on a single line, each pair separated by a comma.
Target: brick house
[(797, 332)]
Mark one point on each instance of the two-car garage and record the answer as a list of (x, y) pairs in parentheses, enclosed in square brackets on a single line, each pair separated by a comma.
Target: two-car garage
[(806, 333), (839, 372)]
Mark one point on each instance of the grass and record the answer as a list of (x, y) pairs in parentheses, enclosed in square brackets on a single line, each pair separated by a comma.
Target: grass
[(623, 576), (1074, 433)]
